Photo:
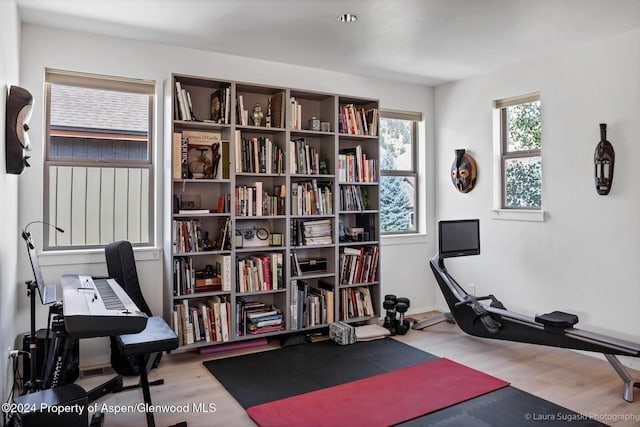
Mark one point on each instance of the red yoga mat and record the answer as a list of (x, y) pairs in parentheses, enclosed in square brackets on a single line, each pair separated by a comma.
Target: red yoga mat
[(381, 400)]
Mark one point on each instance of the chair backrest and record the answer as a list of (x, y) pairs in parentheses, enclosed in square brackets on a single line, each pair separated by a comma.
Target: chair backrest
[(121, 266)]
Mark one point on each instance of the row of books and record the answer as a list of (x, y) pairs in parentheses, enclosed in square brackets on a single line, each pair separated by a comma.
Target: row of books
[(353, 166), (243, 113), (295, 114), (358, 265), (353, 198), (252, 200), (186, 282), (205, 320), (311, 306), (258, 155), (254, 317), (355, 120), (304, 159), (311, 232), (187, 236), (184, 106), (261, 273), (311, 198), (221, 106), (355, 302)]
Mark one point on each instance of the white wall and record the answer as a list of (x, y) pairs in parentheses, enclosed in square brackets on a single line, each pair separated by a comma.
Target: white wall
[(9, 71), (45, 47), (583, 258)]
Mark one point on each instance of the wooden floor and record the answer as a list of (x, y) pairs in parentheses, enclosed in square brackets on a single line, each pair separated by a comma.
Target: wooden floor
[(582, 383)]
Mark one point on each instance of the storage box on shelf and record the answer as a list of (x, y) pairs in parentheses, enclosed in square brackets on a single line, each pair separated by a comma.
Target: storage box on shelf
[(274, 199)]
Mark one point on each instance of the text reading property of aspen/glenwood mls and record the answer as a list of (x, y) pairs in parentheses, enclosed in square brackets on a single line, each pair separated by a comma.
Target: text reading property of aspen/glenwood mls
[(144, 407)]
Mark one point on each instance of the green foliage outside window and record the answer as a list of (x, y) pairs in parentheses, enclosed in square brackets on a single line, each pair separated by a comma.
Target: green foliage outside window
[(523, 182), (395, 204), (523, 175), (397, 189)]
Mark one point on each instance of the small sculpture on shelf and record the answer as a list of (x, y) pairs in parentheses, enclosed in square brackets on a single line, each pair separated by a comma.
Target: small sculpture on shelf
[(207, 244), (257, 115), (267, 120), (323, 168)]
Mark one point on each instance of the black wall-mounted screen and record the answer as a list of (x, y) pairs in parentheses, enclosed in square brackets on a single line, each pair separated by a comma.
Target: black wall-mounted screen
[(459, 238)]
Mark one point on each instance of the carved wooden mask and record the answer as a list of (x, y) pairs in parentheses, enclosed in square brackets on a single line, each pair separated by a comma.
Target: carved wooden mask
[(604, 159), (463, 171), (18, 114)]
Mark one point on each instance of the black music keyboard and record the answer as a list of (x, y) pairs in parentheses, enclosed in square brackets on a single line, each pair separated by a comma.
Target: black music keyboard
[(98, 307)]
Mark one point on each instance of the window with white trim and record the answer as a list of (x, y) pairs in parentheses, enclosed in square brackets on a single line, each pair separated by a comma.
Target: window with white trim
[(521, 144), (98, 169), (399, 172)]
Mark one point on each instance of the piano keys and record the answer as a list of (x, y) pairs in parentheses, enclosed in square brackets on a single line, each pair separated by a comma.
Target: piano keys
[(98, 307)]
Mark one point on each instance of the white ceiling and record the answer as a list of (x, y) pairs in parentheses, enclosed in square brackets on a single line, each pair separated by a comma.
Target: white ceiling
[(420, 41)]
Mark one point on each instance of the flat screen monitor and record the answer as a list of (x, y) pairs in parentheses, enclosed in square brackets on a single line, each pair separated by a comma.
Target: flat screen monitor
[(459, 238)]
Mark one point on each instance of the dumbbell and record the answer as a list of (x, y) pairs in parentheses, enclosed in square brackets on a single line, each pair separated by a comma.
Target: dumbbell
[(390, 321), (403, 325)]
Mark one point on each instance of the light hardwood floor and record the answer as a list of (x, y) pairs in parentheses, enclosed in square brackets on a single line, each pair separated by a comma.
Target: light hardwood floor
[(576, 381)]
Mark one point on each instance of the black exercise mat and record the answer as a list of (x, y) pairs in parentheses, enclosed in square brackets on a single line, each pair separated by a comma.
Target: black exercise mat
[(270, 375), (506, 407), (263, 377)]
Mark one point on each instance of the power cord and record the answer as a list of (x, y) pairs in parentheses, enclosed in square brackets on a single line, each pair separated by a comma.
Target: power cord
[(8, 418)]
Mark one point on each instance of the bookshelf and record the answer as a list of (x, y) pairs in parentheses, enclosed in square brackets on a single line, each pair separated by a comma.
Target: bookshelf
[(274, 218)]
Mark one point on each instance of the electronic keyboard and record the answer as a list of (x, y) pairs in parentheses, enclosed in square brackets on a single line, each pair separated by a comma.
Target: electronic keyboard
[(98, 307)]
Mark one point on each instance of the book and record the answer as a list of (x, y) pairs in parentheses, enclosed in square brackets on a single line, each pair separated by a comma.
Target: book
[(182, 112), (225, 161), (224, 319), (277, 102), (204, 153), (214, 305), (184, 157), (258, 198), (176, 163), (223, 266), (193, 211)]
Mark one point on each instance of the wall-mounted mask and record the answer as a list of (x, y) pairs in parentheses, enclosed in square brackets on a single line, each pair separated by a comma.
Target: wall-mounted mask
[(604, 159), (463, 171), (18, 114)]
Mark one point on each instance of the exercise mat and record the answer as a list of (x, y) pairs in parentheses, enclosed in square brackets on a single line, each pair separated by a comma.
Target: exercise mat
[(381, 400), (267, 376)]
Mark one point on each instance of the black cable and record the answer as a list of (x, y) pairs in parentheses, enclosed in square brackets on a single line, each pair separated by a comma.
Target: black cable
[(7, 417)]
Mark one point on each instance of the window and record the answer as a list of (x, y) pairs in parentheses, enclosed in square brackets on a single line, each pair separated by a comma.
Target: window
[(520, 141), (98, 170), (398, 172)]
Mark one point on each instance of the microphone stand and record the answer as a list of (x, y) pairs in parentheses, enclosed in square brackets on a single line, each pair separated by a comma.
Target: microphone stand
[(34, 384)]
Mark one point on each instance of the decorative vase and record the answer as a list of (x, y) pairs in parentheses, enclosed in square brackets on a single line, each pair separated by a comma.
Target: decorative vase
[(257, 115)]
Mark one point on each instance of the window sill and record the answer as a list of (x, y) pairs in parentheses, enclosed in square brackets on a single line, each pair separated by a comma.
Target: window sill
[(404, 239), (91, 256), (518, 215)]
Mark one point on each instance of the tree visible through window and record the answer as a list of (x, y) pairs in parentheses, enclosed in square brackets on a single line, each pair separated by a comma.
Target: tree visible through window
[(398, 180), (521, 152)]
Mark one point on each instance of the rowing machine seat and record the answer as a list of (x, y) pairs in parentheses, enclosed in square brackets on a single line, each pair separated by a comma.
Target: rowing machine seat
[(557, 319)]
